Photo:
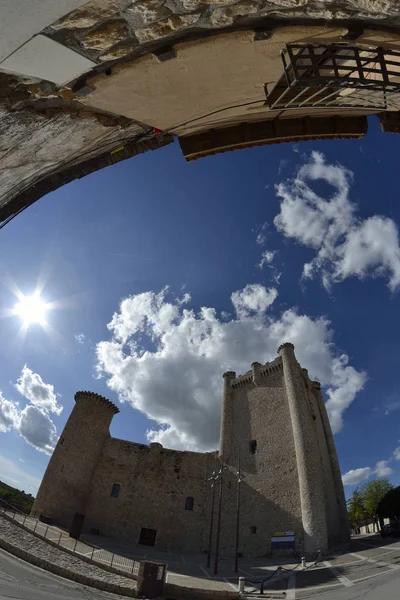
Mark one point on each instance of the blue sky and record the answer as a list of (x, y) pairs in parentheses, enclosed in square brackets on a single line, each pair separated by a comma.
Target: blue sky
[(328, 282)]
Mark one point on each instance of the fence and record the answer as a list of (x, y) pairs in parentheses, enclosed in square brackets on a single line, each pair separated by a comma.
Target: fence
[(257, 586), (128, 566)]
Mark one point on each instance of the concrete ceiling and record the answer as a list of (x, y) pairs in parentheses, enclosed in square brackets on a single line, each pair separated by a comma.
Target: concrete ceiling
[(44, 58), (22, 19)]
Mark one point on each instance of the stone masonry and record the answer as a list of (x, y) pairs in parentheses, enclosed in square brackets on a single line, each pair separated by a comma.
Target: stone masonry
[(50, 132), (273, 416), (27, 546)]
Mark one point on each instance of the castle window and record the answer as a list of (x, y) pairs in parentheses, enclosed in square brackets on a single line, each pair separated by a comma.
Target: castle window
[(253, 529), (189, 504), (115, 490), (61, 441), (253, 446)]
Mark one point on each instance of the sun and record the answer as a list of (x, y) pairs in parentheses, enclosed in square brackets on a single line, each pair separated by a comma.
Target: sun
[(31, 309)]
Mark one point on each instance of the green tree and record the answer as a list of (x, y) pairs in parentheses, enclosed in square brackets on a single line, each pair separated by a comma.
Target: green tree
[(356, 508), (372, 493)]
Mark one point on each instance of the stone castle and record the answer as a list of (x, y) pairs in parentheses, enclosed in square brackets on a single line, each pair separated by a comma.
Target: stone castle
[(274, 416)]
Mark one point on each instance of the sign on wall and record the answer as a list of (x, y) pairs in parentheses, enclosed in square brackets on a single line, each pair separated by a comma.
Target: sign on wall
[(282, 539)]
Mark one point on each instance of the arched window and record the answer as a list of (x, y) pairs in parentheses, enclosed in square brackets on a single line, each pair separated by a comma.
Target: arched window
[(115, 490), (189, 504)]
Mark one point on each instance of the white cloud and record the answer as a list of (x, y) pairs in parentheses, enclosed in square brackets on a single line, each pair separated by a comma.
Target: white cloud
[(356, 476), (40, 394), (348, 383), (345, 245), (178, 381), (382, 469), (391, 403), (283, 163), (14, 475), (266, 258), (33, 423), (38, 429), (9, 415), (80, 338), (261, 238), (253, 299)]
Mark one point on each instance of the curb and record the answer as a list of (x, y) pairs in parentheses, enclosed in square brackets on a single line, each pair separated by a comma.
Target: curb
[(82, 557), (198, 593)]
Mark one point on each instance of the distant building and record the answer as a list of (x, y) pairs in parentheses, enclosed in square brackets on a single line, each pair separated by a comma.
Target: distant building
[(273, 415)]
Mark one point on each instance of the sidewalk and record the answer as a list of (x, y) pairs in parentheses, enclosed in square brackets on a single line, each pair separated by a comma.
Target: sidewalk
[(188, 577), (25, 545)]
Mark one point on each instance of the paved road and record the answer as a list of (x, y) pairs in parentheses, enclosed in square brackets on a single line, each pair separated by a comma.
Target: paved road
[(379, 588), (21, 581)]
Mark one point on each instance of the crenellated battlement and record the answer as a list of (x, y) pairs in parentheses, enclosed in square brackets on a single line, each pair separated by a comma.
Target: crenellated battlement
[(96, 398), (263, 371)]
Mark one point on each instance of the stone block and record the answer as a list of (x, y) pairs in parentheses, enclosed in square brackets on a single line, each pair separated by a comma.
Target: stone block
[(192, 4), (379, 7), (145, 12), (119, 51), (224, 17), (167, 27), (89, 15), (105, 37), (221, 2)]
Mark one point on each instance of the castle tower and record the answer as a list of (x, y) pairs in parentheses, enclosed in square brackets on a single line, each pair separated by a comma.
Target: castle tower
[(66, 484), (308, 457), (274, 417), (225, 440), (342, 530)]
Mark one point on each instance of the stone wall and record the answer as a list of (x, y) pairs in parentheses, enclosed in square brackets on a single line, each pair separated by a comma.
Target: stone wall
[(331, 505), (155, 483), (108, 30)]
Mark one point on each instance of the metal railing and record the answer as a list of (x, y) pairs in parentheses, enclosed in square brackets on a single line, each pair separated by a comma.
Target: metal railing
[(258, 585), (337, 75), (129, 566)]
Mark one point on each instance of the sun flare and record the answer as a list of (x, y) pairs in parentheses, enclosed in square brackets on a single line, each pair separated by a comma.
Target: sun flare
[(31, 309)]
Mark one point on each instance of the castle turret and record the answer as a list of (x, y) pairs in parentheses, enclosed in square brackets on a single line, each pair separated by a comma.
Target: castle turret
[(67, 481), (256, 370), (307, 455), (226, 434), (343, 532)]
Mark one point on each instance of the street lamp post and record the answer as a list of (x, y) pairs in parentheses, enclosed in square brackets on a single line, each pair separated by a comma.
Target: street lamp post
[(220, 477), (213, 479), (240, 478)]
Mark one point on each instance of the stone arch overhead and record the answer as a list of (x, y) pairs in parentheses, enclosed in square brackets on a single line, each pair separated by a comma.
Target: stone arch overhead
[(115, 35)]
